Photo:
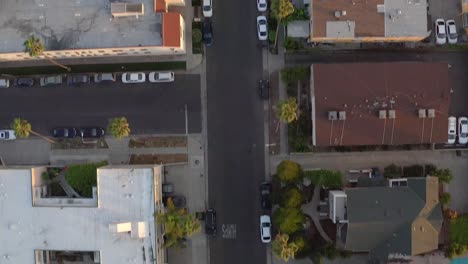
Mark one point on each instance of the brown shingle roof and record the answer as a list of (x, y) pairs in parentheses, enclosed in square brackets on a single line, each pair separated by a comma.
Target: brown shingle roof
[(171, 29), (369, 23), (363, 89)]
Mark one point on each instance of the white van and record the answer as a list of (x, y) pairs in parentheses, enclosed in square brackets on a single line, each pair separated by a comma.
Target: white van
[(4, 83), (161, 77)]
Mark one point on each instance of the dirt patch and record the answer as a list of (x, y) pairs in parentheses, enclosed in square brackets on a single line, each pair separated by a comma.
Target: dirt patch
[(158, 142), (77, 143), (158, 158), (274, 131), (329, 227)]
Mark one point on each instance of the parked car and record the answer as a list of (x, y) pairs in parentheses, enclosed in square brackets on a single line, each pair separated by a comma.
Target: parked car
[(51, 80), (452, 35), (207, 8), (64, 132), (440, 34), (4, 83), (452, 130), (92, 132), (264, 89), (462, 130), (133, 77), (207, 33), (77, 79), (24, 82), (104, 77), (178, 200), (261, 5), (265, 228), (161, 77), (265, 199), (7, 135), (262, 28), (210, 222)]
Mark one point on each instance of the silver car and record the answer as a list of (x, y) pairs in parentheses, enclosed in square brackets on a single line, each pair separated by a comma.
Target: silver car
[(51, 80)]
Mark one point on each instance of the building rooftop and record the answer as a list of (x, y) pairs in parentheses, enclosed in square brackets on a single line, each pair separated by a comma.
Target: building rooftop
[(124, 195), (365, 91), (79, 24), (368, 18), (171, 29)]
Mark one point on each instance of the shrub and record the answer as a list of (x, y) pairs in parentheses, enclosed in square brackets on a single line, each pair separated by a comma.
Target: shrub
[(413, 171), (451, 214), (292, 197), (82, 177), (271, 36), (292, 44), (289, 172), (392, 171), (327, 178), (429, 169), (293, 74), (445, 198), (196, 35), (444, 175), (288, 220)]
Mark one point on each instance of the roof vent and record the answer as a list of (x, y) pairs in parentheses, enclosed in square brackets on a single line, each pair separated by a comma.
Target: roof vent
[(430, 113), (342, 115), (422, 113), (332, 115), (343, 12), (380, 8), (382, 114), (391, 114), (337, 14)]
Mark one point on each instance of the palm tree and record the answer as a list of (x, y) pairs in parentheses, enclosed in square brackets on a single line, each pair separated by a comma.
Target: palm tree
[(281, 9), (119, 127), (22, 129), (179, 225), (35, 48), (288, 110), (283, 249)]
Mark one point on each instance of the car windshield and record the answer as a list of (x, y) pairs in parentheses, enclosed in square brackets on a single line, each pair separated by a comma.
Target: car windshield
[(206, 8), (263, 33), (265, 224), (262, 22), (453, 36), (93, 132), (262, 5), (464, 135), (451, 136), (441, 35)]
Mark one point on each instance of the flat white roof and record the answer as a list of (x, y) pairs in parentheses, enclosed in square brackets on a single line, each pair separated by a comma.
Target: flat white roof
[(124, 195)]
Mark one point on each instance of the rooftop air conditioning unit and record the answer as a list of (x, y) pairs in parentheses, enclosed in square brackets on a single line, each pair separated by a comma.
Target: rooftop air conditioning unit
[(430, 113), (382, 114), (380, 8), (332, 115), (391, 114), (422, 113), (342, 115)]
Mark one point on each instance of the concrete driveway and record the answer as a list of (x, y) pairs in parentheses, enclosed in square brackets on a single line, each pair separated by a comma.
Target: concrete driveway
[(364, 160)]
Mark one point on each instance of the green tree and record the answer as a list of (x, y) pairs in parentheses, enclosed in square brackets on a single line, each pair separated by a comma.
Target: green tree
[(444, 175), (292, 197), (445, 198), (197, 35), (288, 110), (22, 129), (283, 248), (288, 220), (119, 127), (280, 10), (179, 225), (289, 172), (35, 48), (292, 75)]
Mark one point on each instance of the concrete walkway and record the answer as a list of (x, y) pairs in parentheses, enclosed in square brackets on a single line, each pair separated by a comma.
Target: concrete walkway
[(311, 210)]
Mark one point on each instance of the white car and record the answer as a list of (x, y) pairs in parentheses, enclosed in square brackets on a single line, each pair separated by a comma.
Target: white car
[(133, 77), (161, 77), (452, 35), (262, 28), (207, 8), (452, 130), (4, 83), (462, 130), (265, 228), (440, 34), (262, 5), (7, 135)]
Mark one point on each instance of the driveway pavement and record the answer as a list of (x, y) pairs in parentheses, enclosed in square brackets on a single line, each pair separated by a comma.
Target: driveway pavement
[(149, 107), (365, 160)]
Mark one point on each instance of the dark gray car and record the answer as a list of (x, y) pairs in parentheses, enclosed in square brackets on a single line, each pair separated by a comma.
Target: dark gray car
[(78, 79)]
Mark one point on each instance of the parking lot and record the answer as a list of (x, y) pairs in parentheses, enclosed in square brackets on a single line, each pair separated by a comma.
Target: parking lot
[(149, 107)]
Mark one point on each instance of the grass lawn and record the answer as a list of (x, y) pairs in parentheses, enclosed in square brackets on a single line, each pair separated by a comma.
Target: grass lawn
[(82, 177), (197, 46), (459, 230), (157, 66)]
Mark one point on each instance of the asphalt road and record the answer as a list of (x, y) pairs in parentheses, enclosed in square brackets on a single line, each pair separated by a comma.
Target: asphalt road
[(458, 62), (148, 107), (235, 133)]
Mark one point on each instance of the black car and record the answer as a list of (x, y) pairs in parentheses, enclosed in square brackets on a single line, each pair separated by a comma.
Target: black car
[(265, 191), (178, 200), (64, 132), (210, 222), (78, 79), (92, 132), (207, 32), (24, 82), (264, 89)]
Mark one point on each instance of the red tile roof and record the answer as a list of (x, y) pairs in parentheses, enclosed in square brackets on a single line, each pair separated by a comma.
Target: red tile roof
[(363, 89), (159, 6), (171, 29)]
